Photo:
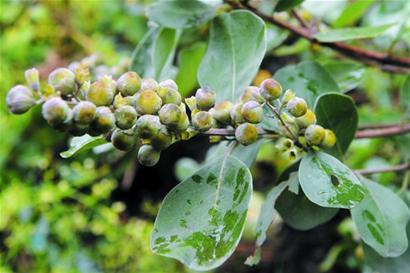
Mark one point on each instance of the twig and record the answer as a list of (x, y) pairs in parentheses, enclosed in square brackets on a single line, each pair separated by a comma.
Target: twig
[(300, 20), (398, 168), (383, 132), (353, 52), (276, 113)]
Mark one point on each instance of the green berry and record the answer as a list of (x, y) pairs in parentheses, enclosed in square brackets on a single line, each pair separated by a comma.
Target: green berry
[(307, 119), (33, 79), (270, 90), (221, 111), (84, 112), (314, 134), (329, 139), (102, 91), (205, 98), (148, 156), (236, 114), (169, 115), (149, 84), (129, 83), (202, 121), (169, 95), (19, 99), (297, 107), (169, 84), (125, 117), (62, 80), (246, 133), (163, 139), (123, 140), (147, 126), (56, 112), (251, 93), (147, 102), (77, 129), (252, 112), (104, 120)]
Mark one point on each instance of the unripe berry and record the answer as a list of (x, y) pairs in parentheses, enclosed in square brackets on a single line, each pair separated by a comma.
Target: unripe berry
[(329, 139), (169, 115), (297, 107), (56, 112), (125, 117), (246, 133), (102, 91), (148, 156), (147, 102), (289, 94), (252, 112), (307, 119), (77, 129), (169, 95), (221, 111), (205, 98), (270, 90), (314, 134), (202, 121), (123, 140), (63, 80), (149, 84), (147, 126), (163, 139), (236, 114), (19, 99), (33, 79), (169, 84), (252, 93), (129, 83), (84, 112), (104, 120), (183, 122)]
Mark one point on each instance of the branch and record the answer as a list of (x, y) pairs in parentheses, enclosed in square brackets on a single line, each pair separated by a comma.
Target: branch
[(398, 168), (382, 132), (390, 63)]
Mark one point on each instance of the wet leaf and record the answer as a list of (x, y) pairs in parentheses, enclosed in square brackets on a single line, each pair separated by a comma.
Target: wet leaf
[(82, 143), (381, 219), (201, 220), (315, 177)]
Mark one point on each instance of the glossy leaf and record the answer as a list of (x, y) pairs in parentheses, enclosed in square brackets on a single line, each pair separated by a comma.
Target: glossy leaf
[(141, 59), (348, 75), (164, 52), (237, 45), (381, 219), (328, 182), (307, 79), (344, 34), (180, 13), (338, 113), (82, 143), (352, 13), (201, 220)]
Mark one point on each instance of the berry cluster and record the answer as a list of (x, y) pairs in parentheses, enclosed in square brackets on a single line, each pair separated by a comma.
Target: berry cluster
[(133, 112)]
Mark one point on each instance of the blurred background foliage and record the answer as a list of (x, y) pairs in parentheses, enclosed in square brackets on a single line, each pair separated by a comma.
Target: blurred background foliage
[(94, 213)]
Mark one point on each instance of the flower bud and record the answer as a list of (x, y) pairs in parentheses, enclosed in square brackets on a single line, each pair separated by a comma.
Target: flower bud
[(84, 112), (314, 134), (202, 121), (252, 112), (169, 95), (123, 140), (169, 115), (236, 114), (329, 139), (147, 102), (82, 73), (19, 99), (33, 79), (270, 90), (307, 119), (163, 139), (148, 156), (56, 112), (102, 91), (125, 117), (62, 80), (129, 83), (169, 84), (191, 103), (246, 133), (297, 107), (147, 126), (183, 122), (104, 120), (221, 111), (289, 94), (205, 98), (149, 84)]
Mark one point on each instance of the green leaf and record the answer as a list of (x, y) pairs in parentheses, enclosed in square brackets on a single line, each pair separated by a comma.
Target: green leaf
[(328, 182), (381, 219), (141, 59), (82, 143), (185, 167), (201, 220), (237, 45), (338, 113), (275, 36), (164, 51), (307, 79), (352, 13), (344, 34), (348, 75), (283, 5), (298, 211), (405, 94), (188, 62), (180, 13)]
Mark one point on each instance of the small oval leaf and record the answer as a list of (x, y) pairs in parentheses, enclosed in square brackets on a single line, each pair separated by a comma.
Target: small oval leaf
[(344, 34), (82, 143)]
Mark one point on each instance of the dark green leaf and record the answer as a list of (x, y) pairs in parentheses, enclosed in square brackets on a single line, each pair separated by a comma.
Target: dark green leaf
[(338, 113), (328, 182), (344, 34), (201, 220), (82, 143), (283, 5), (141, 59), (381, 219), (307, 79), (352, 13), (236, 48), (180, 13), (164, 52), (348, 75)]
